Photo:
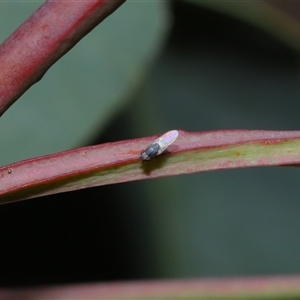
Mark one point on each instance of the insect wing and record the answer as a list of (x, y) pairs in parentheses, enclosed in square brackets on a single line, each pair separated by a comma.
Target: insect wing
[(166, 140)]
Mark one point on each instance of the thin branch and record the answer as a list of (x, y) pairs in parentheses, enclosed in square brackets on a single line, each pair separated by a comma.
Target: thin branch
[(120, 161), (46, 36), (276, 287)]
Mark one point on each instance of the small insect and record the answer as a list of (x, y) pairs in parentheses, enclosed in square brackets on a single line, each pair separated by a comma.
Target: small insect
[(159, 145)]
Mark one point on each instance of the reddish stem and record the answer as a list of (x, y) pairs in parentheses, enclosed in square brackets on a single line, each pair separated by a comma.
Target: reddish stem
[(117, 162), (45, 37), (276, 287)]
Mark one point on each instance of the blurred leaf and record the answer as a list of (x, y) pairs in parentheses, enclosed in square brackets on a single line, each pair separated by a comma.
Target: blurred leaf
[(217, 73), (267, 15), (89, 85)]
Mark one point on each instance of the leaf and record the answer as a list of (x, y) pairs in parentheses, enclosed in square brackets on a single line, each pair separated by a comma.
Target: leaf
[(267, 16), (88, 86), (43, 39), (119, 161)]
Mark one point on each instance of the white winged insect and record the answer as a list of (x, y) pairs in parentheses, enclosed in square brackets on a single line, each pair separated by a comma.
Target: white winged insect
[(159, 145)]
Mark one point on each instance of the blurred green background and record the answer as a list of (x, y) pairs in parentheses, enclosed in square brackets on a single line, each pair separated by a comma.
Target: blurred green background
[(149, 68)]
